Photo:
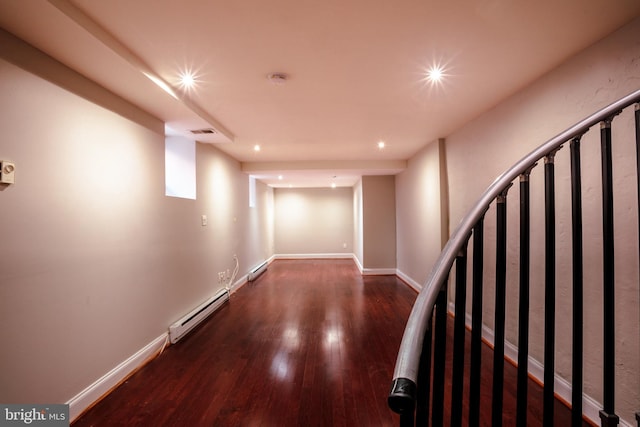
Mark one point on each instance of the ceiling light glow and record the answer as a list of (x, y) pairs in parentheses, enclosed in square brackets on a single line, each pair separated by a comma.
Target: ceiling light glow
[(333, 185), (435, 74), (256, 147), (187, 79), (381, 145)]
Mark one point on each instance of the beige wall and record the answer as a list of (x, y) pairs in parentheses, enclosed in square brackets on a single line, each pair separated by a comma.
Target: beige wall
[(419, 213), (378, 223), (485, 147), (96, 261), (317, 221), (357, 223), (313, 221)]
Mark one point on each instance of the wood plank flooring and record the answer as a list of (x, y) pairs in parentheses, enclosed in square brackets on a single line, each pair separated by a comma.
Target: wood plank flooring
[(310, 343)]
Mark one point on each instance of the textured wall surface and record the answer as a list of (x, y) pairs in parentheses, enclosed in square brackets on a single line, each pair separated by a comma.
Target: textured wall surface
[(485, 147)]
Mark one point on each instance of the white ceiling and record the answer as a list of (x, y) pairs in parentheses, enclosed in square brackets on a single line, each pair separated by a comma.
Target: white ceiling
[(356, 68)]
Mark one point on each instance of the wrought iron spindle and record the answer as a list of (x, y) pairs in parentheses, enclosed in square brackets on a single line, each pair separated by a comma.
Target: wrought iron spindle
[(523, 310), (406, 419), (439, 353), (476, 324), (607, 414), (576, 238), (457, 380), (548, 398), (501, 273), (637, 123), (431, 304), (424, 378)]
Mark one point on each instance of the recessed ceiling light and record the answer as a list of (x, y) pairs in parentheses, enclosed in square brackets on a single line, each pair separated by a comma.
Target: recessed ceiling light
[(256, 147), (435, 73), (381, 145), (187, 79), (280, 177)]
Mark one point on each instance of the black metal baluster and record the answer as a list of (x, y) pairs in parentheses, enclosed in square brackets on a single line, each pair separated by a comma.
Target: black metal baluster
[(637, 116), (523, 323), (548, 399), (439, 353), (457, 380), (424, 378), (406, 419), (499, 328), (576, 233), (476, 324), (607, 414)]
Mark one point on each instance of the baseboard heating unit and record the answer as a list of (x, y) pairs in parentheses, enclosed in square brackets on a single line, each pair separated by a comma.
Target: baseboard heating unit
[(257, 271), (190, 320)]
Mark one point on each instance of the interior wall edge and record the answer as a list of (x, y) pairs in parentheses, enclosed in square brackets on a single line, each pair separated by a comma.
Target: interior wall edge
[(445, 226), (409, 280), (34, 61)]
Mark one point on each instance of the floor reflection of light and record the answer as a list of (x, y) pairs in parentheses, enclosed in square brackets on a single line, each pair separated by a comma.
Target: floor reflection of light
[(332, 336), (291, 338), (334, 352), (280, 366)]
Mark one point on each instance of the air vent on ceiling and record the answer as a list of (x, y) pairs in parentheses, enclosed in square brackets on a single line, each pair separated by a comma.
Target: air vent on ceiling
[(207, 131)]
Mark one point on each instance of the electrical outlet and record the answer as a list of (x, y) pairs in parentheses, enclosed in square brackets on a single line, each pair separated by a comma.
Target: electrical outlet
[(7, 172)]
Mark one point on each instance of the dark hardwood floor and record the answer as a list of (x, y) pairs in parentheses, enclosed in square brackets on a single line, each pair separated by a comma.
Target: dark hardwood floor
[(310, 343)]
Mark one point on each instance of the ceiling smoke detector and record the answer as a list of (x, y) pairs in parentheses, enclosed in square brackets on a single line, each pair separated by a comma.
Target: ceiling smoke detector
[(278, 78)]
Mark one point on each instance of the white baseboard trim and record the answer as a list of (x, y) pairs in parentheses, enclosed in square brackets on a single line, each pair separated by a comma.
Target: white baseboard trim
[(238, 284), (409, 281), (358, 263), (562, 387), (363, 271), (245, 279), (314, 256), (379, 272), (94, 392)]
